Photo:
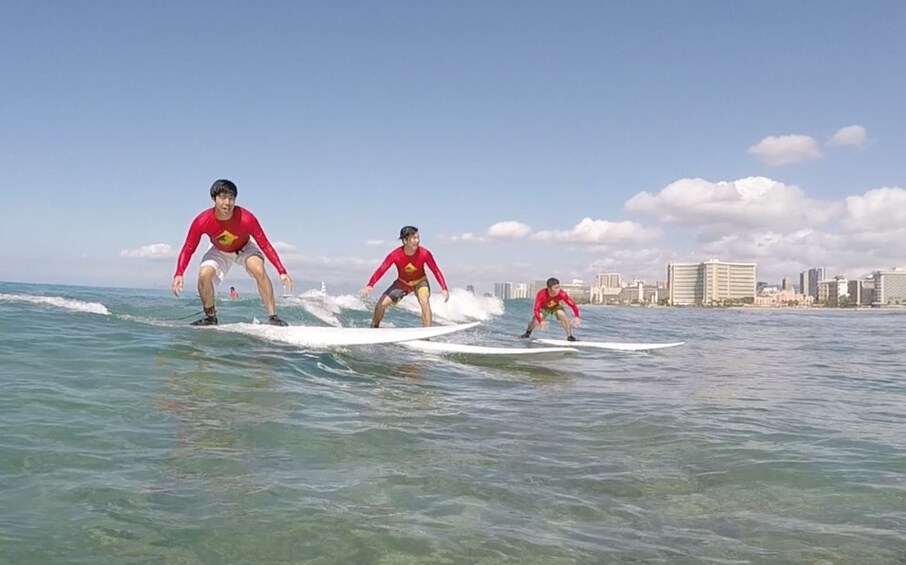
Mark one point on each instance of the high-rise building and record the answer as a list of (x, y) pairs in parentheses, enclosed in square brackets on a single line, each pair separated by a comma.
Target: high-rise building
[(815, 275), (786, 284), (503, 290), (609, 280), (710, 282), (537, 285), (520, 290), (470, 288), (890, 287)]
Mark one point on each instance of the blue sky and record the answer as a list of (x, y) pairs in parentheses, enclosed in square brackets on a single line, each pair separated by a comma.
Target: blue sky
[(525, 139)]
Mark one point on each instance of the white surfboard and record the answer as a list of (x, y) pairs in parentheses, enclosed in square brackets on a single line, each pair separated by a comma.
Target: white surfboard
[(465, 349), (612, 346), (329, 336)]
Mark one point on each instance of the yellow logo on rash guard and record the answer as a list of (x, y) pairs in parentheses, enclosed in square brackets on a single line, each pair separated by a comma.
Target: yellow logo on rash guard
[(409, 268), (226, 238), (551, 303)]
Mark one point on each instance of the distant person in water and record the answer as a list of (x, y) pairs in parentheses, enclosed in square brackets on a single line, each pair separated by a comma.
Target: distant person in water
[(410, 260), (231, 230), (233, 294), (548, 302)]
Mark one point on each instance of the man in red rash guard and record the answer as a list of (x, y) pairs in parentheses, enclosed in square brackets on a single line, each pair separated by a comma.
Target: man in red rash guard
[(547, 302), (410, 261), (231, 229)]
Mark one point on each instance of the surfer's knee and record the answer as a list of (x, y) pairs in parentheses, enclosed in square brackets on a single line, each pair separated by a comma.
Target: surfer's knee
[(206, 274)]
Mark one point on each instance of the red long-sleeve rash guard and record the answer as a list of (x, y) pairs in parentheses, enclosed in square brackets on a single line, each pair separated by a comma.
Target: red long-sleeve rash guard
[(546, 301), (410, 268), (228, 236)]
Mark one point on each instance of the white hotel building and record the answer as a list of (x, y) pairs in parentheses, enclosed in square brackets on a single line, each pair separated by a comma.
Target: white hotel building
[(710, 282), (890, 287)]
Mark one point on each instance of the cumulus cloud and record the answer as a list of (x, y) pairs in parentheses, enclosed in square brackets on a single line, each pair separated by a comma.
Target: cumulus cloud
[(785, 149), (599, 232), (852, 136), (748, 203), (153, 251), (877, 218), (509, 230), (586, 232)]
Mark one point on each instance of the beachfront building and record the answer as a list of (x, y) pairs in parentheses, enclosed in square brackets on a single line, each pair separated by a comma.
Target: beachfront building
[(640, 293), (834, 292), (808, 281), (889, 287), (521, 290), (783, 298), (578, 291), (861, 291), (710, 283), (607, 288), (503, 290)]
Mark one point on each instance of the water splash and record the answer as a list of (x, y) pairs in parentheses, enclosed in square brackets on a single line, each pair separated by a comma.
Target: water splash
[(463, 306), (58, 302)]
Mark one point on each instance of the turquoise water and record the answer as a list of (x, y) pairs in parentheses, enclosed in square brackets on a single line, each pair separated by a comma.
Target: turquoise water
[(128, 437)]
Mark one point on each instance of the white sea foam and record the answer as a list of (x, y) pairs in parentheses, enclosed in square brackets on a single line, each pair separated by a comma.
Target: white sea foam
[(58, 302), (326, 307), (463, 306)]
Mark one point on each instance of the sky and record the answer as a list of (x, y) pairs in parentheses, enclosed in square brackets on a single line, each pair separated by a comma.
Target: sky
[(524, 139)]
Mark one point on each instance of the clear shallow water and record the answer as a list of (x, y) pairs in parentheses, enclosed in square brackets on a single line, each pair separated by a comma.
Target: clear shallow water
[(128, 437)]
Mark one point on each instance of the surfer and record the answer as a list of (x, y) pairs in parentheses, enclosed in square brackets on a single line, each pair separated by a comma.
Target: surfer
[(233, 294), (410, 260), (231, 229), (548, 302)]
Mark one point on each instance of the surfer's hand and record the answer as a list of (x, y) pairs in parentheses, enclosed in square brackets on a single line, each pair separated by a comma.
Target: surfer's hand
[(287, 282), (575, 321), (365, 291), (446, 295), (176, 285)]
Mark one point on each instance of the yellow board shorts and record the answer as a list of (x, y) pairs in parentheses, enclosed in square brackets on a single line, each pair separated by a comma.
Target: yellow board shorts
[(400, 289)]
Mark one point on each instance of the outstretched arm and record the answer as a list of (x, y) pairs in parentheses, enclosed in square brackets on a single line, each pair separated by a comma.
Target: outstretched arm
[(429, 261), (382, 268), (258, 234), (569, 302), (185, 255), (536, 309)]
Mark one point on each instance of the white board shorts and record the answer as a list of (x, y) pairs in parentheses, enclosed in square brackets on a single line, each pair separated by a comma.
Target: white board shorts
[(221, 261)]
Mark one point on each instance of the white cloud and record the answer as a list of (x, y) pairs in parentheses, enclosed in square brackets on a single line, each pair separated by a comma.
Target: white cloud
[(283, 247), (376, 243), (852, 136), (153, 251), (751, 202), (467, 237), (509, 230), (600, 232), (586, 232), (877, 219), (785, 149)]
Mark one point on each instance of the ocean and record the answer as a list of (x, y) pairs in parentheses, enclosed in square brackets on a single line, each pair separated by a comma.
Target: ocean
[(127, 436)]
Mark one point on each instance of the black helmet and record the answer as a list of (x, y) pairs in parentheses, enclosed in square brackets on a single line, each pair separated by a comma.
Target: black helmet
[(224, 186)]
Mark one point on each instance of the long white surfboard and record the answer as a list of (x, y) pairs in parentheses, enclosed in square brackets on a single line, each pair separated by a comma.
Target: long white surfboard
[(612, 346), (465, 349), (319, 336)]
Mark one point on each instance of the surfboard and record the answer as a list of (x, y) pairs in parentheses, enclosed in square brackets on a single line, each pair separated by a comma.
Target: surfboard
[(611, 346), (465, 349), (319, 336)]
